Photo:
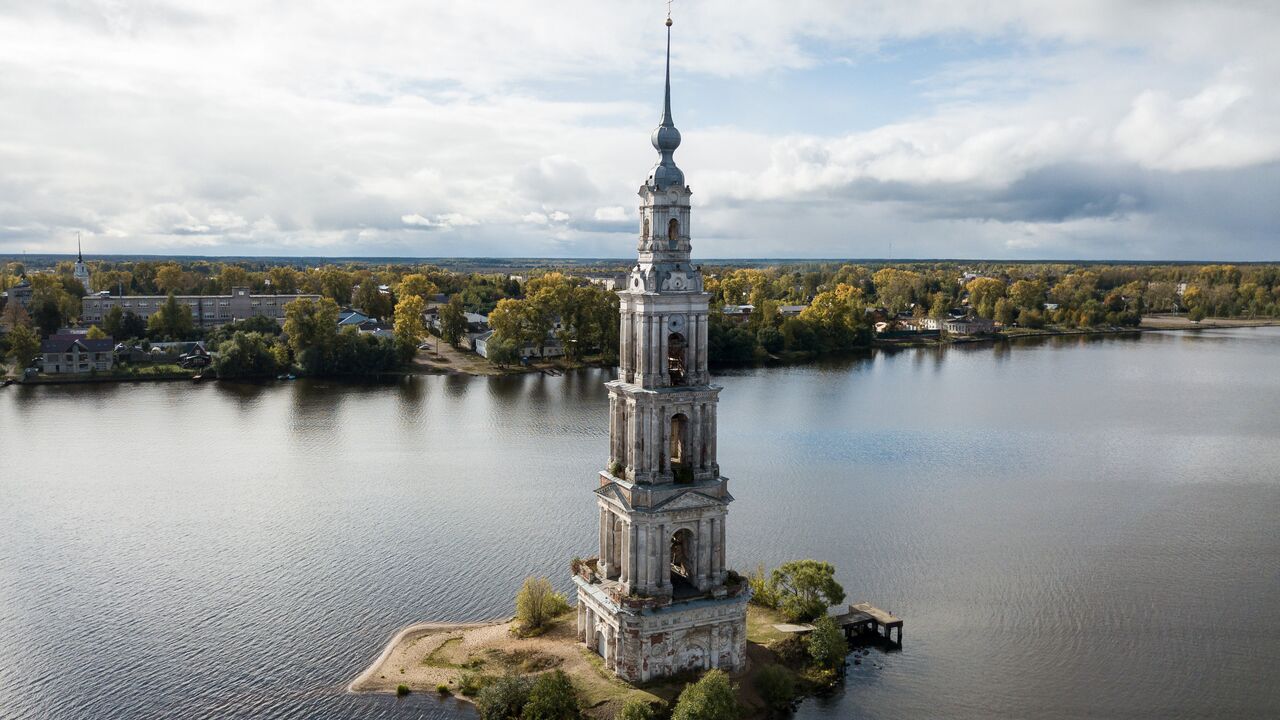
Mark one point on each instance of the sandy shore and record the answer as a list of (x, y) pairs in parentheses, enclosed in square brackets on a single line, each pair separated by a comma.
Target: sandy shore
[(425, 656)]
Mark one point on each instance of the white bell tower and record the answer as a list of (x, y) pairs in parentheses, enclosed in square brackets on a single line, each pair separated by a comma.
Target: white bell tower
[(659, 599)]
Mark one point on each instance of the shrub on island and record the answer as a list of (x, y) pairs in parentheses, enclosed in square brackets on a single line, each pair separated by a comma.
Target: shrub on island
[(537, 604), (711, 698)]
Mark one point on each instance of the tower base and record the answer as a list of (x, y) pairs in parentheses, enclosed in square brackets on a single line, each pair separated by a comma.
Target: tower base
[(645, 638)]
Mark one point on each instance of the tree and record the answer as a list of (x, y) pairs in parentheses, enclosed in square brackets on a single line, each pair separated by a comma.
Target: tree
[(897, 289), (636, 709), (95, 333), (232, 276), (23, 345), (13, 316), (132, 325), (826, 644), (453, 321), (504, 698), (417, 284), (113, 322), (173, 320), (552, 698), (806, 588), (170, 278), (46, 313), (537, 604), (284, 279), (983, 293), (408, 325), (1027, 294), (372, 300), (312, 327), (776, 685), (1004, 311), (246, 355), (711, 698), (502, 352)]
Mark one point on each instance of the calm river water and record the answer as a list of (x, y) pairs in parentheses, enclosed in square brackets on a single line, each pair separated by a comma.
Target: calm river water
[(1071, 528)]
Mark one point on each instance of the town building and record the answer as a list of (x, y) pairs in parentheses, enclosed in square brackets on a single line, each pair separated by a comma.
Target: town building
[(75, 354), (659, 599), (208, 311), (20, 293)]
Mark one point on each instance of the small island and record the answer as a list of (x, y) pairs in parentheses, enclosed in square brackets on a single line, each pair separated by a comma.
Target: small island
[(474, 660)]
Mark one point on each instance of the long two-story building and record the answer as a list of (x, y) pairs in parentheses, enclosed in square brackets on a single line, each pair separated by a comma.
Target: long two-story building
[(208, 311)]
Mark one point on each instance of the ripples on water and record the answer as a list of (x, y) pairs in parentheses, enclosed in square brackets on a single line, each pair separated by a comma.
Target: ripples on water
[(1071, 528)]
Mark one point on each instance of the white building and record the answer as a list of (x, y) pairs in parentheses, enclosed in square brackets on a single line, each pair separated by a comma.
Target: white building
[(659, 600), (206, 310), (75, 354)]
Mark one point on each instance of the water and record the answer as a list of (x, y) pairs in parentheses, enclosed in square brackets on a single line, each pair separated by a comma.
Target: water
[(1077, 527)]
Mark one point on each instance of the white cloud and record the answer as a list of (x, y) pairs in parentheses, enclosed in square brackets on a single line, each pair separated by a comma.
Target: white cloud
[(244, 127)]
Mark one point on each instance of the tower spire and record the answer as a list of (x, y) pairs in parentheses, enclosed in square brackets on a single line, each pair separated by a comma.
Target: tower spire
[(666, 138), (79, 252)]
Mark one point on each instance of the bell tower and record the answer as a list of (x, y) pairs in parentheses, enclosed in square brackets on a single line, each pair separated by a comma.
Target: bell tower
[(659, 599)]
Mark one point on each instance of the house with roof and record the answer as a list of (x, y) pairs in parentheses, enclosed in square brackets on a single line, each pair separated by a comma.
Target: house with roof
[(75, 354)]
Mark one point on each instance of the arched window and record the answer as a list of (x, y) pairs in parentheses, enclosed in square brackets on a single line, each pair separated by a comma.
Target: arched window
[(680, 450), (676, 347), (673, 233), (682, 555)]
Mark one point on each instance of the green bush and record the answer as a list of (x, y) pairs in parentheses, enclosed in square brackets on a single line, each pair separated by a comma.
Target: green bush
[(472, 683), (552, 698), (537, 604), (636, 709), (711, 698), (776, 685), (763, 592), (443, 689), (826, 643), (504, 698), (402, 690)]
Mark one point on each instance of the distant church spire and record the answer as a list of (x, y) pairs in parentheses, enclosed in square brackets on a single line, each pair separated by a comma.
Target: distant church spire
[(79, 252), (666, 138)]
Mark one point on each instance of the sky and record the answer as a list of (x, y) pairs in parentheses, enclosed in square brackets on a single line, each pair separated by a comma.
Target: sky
[(1020, 129)]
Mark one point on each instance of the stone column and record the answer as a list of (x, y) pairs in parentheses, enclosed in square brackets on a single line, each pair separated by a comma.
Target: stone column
[(664, 556), (604, 542), (625, 561), (633, 554), (702, 561), (713, 569), (582, 621), (663, 370), (722, 553)]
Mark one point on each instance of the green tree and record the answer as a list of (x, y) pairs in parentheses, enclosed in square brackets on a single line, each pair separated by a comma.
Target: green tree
[(95, 333), (246, 355), (806, 588), (173, 320), (46, 313), (776, 685), (132, 325), (113, 322), (170, 278), (312, 328), (552, 697), (504, 698), (711, 698), (826, 644), (897, 289), (537, 604), (636, 709), (453, 321), (502, 352), (372, 300), (23, 345)]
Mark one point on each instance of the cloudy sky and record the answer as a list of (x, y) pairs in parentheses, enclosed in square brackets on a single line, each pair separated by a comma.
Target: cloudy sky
[(1092, 129)]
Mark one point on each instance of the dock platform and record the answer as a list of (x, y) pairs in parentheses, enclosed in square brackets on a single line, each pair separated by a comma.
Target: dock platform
[(864, 618)]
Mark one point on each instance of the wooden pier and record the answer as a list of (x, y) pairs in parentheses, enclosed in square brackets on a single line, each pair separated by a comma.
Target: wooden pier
[(865, 618)]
